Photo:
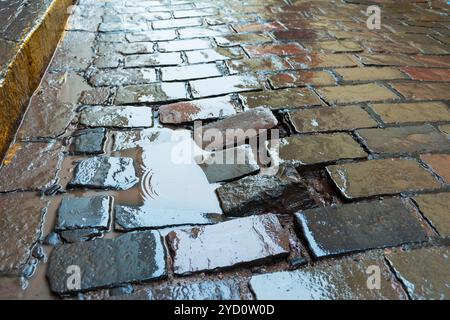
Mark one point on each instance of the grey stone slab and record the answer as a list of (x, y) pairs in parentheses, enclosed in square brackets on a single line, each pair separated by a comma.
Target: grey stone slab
[(132, 257), (105, 172), (360, 226), (89, 141), (118, 117)]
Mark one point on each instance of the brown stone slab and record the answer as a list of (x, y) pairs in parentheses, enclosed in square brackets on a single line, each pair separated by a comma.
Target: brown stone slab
[(439, 163), (280, 99), (412, 112), (436, 208), (380, 177)]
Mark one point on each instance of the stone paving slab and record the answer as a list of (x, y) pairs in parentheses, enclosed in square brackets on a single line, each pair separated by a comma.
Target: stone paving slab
[(280, 99), (368, 178), (435, 208), (105, 172), (21, 225), (228, 244), (257, 194), (360, 226), (132, 257), (412, 112), (424, 272), (31, 166), (439, 163), (343, 280), (115, 116)]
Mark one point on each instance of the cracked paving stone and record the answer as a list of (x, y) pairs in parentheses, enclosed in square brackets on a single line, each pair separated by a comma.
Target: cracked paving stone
[(424, 272), (121, 77), (80, 213), (404, 140), (211, 55), (153, 60), (435, 208), (342, 280), (246, 125), (249, 240), (21, 225), (330, 119), (152, 93), (190, 72), (224, 85), (203, 109), (381, 177), (229, 164), (360, 226), (280, 99), (132, 257), (31, 166), (105, 172), (257, 194), (89, 141), (115, 116), (205, 290), (323, 148)]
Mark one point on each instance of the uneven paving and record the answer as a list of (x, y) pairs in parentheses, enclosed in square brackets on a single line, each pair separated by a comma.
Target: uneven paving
[(125, 166)]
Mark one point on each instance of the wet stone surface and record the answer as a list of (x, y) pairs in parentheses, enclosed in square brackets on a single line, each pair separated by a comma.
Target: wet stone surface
[(202, 109), (132, 257), (78, 235), (21, 223), (314, 149), (413, 139), (80, 213), (205, 290), (31, 166), (280, 99), (229, 164), (252, 123), (105, 172), (360, 226), (435, 208), (118, 77), (89, 141), (424, 272), (223, 85), (153, 60), (151, 93), (227, 244), (120, 117), (379, 177), (257, 194), (343, 280)]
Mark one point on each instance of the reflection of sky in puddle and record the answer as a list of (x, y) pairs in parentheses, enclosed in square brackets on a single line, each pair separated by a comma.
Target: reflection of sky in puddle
[(174, 189)]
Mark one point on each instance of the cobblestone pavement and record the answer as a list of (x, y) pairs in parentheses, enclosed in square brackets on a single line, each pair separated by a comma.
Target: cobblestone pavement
[(94, 206)]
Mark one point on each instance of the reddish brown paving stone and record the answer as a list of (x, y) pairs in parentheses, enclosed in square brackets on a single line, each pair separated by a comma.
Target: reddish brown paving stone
[(404, 140), (318, 60), (435, 208), (370, 74), (423, 91), (412, 112), (381, 177), (439, 163), (202, 109), (247, 125), (335, 46), (433, 61), (387, 60), (95, 96), (356, 93), (428, 74), (31, 166), (301, 78), (257, 27), (249, 240), (301, 35), (21, 224), (330, 119)]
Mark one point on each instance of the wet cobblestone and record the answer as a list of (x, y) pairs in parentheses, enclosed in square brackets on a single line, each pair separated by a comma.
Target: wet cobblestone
[(362, 117)]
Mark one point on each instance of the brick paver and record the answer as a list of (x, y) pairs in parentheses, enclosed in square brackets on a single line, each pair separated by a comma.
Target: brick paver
[(351, 131)]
